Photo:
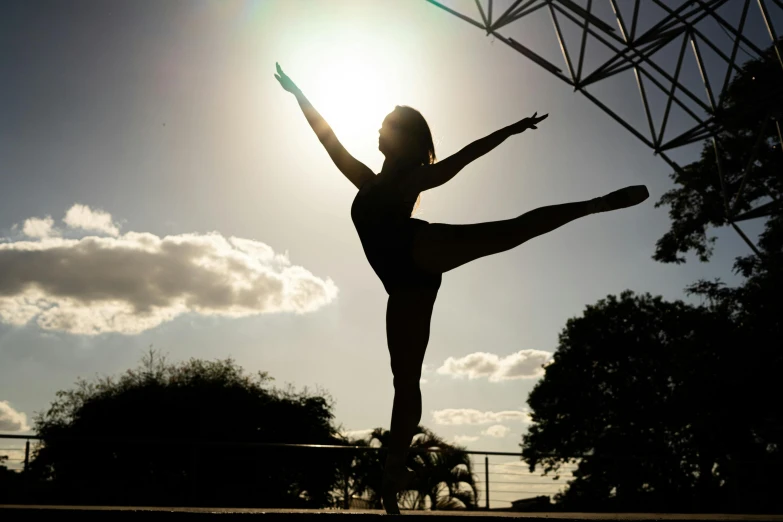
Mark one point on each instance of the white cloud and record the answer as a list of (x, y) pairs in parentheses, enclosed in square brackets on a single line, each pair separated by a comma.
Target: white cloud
[(14, 455), (462, 439), (15, 460), (524, 364), (12, 420), (81, 216), (468, 416), (358, 434), (136, 281), (498, 431), (39, 227)]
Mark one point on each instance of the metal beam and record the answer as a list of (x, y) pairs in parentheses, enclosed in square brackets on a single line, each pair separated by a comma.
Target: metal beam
[(629, 51), (767, 209)]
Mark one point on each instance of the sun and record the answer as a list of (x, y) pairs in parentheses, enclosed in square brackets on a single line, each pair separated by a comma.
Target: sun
[(353, 96), (350, 81)]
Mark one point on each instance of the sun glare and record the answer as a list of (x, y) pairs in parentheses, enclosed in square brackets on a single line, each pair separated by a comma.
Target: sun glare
[(350, 81), (353, 97)]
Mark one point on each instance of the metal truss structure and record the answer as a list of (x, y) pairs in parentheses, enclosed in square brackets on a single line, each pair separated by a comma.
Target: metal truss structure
[(629, 48)]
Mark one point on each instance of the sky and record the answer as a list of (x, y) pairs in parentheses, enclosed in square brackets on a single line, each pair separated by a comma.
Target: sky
[(159, 188)]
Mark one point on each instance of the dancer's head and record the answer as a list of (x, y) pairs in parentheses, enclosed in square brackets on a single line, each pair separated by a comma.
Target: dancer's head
[(405, 137)]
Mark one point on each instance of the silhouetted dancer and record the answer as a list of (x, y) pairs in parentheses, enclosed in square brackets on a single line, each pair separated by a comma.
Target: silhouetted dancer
[(409, 255)]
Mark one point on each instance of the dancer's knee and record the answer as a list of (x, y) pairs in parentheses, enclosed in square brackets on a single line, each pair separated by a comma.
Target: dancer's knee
[(407, 383)]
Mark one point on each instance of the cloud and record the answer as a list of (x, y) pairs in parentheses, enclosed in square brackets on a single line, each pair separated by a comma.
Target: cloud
[(39, 227), (15, 460), (462, 439), (12, 420), (498, 431), (133, 282), (81, 216), (468, 416), (15, 456), (524, 364), (358, 434)]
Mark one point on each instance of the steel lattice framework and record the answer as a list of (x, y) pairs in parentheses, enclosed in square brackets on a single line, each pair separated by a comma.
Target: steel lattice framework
[(639, 50)]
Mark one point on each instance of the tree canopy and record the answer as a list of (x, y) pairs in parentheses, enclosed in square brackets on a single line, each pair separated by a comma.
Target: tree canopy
[(752, 107), (666, 406), (444, 478), (662, 406), (189, 434), (183, 434)]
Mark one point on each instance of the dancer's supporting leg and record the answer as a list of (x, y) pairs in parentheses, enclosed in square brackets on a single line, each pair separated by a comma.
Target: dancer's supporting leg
[(441, 247), (408, 315)]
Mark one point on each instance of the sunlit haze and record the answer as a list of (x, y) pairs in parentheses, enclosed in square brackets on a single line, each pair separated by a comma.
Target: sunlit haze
[(147, 147)]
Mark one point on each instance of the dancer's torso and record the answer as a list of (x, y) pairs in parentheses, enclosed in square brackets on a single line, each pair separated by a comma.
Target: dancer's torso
[(382, 203)]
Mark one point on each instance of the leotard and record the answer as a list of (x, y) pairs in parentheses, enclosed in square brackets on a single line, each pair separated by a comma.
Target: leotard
[(381, 214)]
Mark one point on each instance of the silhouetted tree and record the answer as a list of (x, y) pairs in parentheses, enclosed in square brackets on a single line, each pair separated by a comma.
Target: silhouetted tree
[(664, 403), (671, 403), (754, 100), (5, 478), (11, 483), (167, 434), (355, 466), (444, 477), (697, 202), (754, 307)]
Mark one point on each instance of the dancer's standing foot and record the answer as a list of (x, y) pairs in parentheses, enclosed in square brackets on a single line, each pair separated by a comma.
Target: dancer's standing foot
[(396, 478)]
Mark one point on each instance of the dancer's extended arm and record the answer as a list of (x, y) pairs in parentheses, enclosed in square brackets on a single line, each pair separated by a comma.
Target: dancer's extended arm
[(353, 169), (437, 174)]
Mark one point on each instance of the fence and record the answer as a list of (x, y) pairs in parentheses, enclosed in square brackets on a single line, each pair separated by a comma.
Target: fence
[(508, 476), (506, 483)]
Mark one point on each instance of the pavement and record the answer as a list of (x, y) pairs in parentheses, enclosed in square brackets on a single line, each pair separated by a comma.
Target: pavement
[(9, 513)]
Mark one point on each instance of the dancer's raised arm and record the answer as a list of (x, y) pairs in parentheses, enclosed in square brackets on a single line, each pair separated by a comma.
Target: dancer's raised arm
[(437, 174), (356, 171)]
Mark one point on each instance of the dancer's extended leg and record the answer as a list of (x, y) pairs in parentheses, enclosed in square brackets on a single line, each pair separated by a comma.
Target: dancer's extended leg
[(441, 247)]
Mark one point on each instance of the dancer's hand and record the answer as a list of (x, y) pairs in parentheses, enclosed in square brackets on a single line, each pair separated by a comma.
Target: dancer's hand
[(285, 81), (527, 123)]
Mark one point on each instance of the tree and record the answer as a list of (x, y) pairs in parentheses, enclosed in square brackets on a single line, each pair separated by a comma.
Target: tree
[(752, 108), (184, 434), (444, 477), (5, 476), (11, 483), (660, 410), (356, 466), (670, 407)]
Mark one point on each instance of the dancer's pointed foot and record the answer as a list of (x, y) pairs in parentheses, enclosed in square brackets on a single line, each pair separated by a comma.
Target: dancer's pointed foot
[(389, 498), (394, 481), (623, 198)]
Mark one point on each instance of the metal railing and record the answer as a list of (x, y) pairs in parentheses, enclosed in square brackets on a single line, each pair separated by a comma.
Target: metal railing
[(509, 476)]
